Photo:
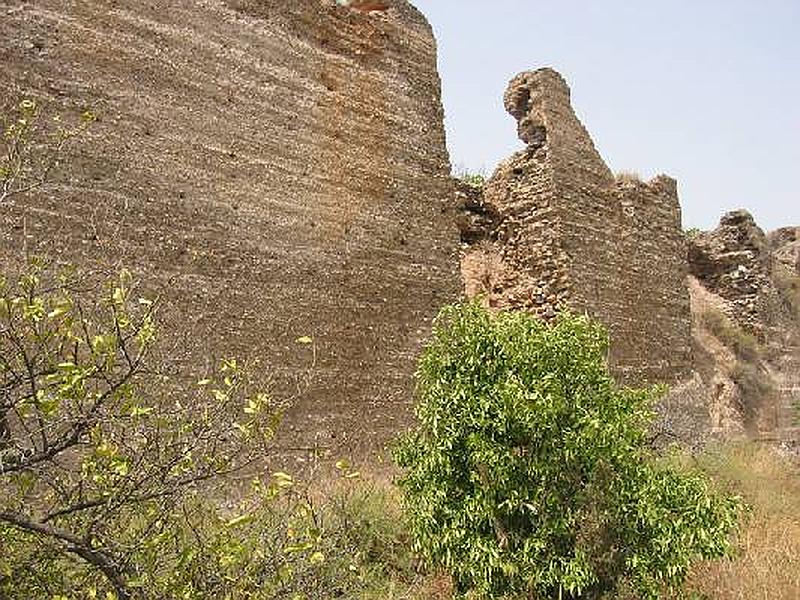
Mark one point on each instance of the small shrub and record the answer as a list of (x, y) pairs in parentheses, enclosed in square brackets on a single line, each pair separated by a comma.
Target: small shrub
[(475, 179), (692, 232), (286, 542), (529, 474), (100, 457)]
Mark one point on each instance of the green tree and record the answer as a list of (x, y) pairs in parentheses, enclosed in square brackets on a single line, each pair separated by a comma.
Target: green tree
[(123, 478), (101, 450), (530, 472), (120, 481)]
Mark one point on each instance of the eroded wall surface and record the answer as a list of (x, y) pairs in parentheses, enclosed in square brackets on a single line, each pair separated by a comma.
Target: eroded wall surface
[(735, 262), (567, 233), (272, 169), (757, 278)]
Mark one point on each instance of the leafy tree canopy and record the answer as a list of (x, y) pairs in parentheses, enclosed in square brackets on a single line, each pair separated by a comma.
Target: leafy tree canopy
[(530, 471)]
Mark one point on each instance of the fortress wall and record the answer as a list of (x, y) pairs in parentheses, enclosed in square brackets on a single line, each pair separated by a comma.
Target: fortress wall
[(272, 169), (568, 234), (653, 318), (753, 275), (520, 265)]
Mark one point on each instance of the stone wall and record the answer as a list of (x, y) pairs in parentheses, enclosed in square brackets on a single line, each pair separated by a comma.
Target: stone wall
[(757, 279), (567, 233), (785, 246), (785, 249), (272, 169), (735, 262)]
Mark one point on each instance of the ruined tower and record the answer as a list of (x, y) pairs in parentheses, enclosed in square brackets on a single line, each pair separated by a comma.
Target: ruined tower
[(556, 229)]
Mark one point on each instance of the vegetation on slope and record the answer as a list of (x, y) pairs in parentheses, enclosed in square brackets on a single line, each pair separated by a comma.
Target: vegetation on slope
[(767, 565), (748, 370)]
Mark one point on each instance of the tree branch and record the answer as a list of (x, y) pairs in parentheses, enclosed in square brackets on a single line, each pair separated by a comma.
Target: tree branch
[(74, 545)]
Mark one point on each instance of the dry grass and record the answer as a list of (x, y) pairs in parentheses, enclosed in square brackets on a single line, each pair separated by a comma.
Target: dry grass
[(371, 505), (629, 177), (768, 567), (748, 370), (429, 588), (743, 345)]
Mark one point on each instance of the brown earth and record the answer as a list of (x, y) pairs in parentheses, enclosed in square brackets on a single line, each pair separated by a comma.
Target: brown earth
[(271, 169)]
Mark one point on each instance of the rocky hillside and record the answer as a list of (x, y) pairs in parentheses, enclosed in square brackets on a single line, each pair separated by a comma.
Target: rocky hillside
[(745, 291)]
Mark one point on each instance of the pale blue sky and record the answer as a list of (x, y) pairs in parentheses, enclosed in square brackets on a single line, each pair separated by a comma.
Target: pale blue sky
[(707, 91)]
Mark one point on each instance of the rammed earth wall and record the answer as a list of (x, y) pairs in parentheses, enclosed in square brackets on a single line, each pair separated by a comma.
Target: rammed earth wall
[(272, 169), (275, 170)]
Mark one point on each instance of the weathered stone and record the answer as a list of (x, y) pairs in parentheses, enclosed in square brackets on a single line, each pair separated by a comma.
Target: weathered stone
[(735, 262), (277, 169), (476, 221), (271, 169), (569, 234), (741, 266), (785, 245)]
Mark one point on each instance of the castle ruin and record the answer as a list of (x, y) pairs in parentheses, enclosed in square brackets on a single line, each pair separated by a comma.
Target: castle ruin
[(555, 229), (276, 171), (271, 170)]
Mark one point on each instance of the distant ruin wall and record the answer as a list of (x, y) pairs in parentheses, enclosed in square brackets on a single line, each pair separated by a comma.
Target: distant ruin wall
[(564, 232), (273, 169), (735, 262), (757, 279)]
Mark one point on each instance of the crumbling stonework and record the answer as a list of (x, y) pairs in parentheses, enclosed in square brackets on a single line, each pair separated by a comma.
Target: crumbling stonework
[(734, 261), (564, 232), (277, 170), (271, 169), (785, 245), (752, 275)]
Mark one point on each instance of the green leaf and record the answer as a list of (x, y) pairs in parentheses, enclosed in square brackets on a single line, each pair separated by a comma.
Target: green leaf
[(283, 480), (141, 411), (529, 460)]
